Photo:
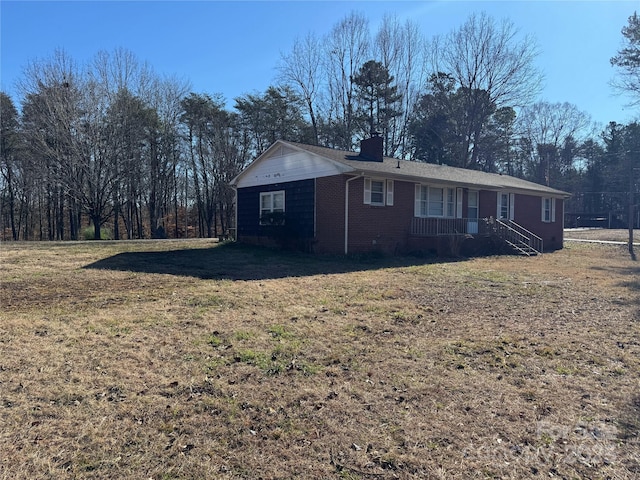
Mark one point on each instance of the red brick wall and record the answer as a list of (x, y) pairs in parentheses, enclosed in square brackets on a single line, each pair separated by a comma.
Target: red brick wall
[(528, 213), (386, 228), (371, 228), (330, 214), (488, 204)]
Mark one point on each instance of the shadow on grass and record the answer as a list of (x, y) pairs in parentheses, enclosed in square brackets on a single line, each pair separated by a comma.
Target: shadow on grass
[(630, 280), (238, 262), (631, 276)]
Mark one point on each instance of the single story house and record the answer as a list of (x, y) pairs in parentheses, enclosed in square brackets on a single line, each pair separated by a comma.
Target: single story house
[(331, 201)]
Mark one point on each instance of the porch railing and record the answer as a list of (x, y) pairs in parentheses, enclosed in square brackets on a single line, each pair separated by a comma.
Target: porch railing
[(435, 227), (515, 235)]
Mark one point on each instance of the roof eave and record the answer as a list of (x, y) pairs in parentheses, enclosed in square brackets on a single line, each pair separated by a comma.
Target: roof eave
[(350, 166), (454, 183)]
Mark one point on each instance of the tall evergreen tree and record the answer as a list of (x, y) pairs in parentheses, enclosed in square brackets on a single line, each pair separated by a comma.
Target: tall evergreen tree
[(627, 61), (445, 122), (378, 97)]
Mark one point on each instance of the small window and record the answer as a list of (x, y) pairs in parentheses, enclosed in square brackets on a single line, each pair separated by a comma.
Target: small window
[(506, 206), (548, 210), (272, 208), (378, 192)]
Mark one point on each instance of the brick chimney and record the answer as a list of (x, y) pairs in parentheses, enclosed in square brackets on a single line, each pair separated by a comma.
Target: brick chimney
[(371, 149)]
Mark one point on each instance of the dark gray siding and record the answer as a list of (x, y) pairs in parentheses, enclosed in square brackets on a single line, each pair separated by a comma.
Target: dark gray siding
[(299, 209)]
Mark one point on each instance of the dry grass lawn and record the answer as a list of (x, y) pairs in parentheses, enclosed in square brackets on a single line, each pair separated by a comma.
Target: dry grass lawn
[(192, 360)]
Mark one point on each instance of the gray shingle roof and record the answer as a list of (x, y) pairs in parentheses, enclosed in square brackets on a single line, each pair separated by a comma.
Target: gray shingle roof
[(428, 172)]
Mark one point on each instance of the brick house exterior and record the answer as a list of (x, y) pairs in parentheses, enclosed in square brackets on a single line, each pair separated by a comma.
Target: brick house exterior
[(330, 201)]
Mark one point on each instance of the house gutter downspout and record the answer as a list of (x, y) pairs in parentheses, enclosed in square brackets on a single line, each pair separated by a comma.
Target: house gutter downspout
[(346, 213)]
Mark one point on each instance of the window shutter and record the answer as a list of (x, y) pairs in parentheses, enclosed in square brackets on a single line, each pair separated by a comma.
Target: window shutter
[(499, 209), (417, 203), (459, 205), (367, 191), (553, 209), (512, 201), (390, 192), (544, 205)]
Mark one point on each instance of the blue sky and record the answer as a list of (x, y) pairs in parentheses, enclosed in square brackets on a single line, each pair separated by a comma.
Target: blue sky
[(232, 48)]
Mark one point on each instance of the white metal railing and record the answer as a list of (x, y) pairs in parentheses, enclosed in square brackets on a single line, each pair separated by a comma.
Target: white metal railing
[(509, 231), (519, 236), (434, 227)]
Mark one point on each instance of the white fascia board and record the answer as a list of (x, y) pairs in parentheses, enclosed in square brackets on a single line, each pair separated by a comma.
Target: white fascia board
[(532, 192), (473, 186)]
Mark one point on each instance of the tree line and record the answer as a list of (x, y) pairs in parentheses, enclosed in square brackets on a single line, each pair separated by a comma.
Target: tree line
[(114, 147)]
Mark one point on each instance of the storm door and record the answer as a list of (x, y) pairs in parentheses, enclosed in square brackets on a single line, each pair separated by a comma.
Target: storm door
[(472, 212)]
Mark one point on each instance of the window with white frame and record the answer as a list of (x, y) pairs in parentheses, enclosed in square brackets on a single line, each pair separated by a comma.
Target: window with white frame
[(272, 207), (436, 202), (548, 210), (433, 201), (506, 206), (451, 202), (473, 204), (422, 201), (378, 192)]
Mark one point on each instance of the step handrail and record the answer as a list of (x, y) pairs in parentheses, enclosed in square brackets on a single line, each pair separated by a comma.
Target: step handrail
[(536, 242), (524, 230), (505, 226), (512, 231)]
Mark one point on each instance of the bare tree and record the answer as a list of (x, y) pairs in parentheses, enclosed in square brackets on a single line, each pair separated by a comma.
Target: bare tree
[(301, 69), (54, 120), (122, 88), (100, 141), (488, 59), (166, 101), (231, 158), (399, 47), (204, 117), (546, 127), (347, 47), (130, 129), (9, 163), (120, 69)]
